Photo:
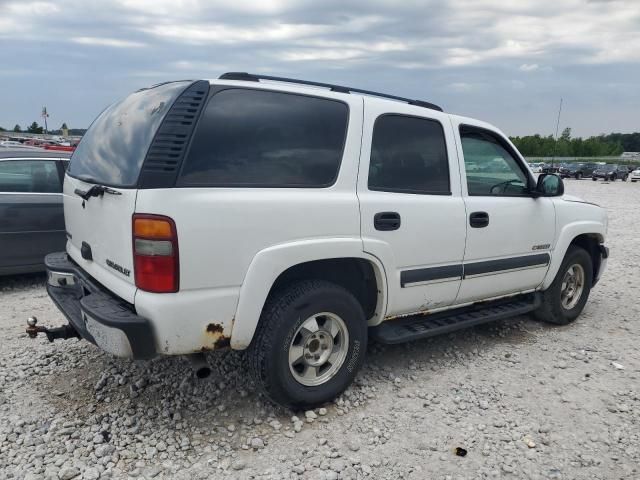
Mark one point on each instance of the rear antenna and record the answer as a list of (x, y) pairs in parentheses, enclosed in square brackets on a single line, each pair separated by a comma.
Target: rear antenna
[(555, 144)]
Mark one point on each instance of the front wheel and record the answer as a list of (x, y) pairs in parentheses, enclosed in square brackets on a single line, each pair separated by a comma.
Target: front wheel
[(310, 343), (566, 297), (594, 179), (624, 179), (578, 176)]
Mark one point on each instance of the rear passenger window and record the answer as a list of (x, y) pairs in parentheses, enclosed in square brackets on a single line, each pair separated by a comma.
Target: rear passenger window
[(29, 176), (254, 138), (409, 155)]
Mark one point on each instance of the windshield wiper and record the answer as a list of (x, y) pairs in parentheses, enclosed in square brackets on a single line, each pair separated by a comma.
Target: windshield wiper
[(95, 191)]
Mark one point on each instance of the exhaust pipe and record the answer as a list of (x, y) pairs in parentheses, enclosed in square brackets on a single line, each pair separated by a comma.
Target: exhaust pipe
[(200, 365)]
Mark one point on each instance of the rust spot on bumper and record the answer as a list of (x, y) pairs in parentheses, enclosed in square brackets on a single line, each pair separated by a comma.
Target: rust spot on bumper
[(216, 339), (214, 328), (222, 342)]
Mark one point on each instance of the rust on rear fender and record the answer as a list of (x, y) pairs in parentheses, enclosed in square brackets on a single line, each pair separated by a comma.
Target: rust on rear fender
[(214, 338)]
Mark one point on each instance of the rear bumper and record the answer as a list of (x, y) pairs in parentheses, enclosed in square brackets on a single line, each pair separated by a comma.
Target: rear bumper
[(99, 316)]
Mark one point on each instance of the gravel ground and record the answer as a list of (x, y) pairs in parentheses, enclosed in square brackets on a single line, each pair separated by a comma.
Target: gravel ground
[(524, 400)]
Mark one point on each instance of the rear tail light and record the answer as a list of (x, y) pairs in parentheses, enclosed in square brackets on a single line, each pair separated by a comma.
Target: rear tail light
[(155, 253)]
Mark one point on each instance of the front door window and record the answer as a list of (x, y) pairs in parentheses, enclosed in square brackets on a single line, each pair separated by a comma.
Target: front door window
[(491, 169)]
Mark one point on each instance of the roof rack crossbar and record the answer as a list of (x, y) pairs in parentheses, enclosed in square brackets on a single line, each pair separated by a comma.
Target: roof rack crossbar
[(250, 77)]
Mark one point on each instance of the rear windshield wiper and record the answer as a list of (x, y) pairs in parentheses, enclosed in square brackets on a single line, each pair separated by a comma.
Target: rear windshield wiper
[(95, 191)]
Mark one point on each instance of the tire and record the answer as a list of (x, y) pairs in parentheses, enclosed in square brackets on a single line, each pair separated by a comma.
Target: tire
[(624, 179), (594, 179), (553, 310), (578, 176), (614, 177), (278, 334)]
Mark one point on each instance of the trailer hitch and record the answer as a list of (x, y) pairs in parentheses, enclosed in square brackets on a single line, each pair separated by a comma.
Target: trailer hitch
[(65, 332)]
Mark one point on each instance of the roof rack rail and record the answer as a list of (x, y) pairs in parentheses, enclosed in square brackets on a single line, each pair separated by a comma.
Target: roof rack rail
[(250, 77)]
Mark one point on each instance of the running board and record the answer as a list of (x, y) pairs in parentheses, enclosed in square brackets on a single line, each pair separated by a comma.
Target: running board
[(419, 326)]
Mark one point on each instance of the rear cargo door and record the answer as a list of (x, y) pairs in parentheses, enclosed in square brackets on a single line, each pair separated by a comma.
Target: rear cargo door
[(108, 160), (99, 235)]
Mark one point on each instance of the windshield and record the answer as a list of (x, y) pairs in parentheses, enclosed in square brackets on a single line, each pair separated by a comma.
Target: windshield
[(114, 147), (608, 168)]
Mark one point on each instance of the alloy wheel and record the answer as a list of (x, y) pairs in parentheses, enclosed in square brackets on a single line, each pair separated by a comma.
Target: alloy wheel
[(318, 349), (572, 286)]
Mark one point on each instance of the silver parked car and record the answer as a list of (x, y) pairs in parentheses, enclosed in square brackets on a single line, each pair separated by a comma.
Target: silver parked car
[(31, 216)]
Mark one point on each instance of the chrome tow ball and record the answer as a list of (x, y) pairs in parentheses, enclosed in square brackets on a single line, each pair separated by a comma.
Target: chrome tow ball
[(64, 332), (33, 329)]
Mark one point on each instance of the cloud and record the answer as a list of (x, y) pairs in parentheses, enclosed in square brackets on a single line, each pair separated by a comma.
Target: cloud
[(219, 33), (107, 42), (30, 8), (15, 17), (529, 67)]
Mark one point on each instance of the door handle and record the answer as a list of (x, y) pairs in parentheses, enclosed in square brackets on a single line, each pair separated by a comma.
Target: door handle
[(386, 221), (479, 219)]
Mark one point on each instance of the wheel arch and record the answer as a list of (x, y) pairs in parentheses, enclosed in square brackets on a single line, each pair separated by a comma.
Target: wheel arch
[(587, 235), (341, 261)]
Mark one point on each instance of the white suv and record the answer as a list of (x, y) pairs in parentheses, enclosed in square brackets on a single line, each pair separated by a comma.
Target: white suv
[(297, 219)]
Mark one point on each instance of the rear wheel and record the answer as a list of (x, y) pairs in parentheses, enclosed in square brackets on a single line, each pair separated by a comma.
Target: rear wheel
[(614, 177), (624, 179), (594, 179), (566, 297), (310, 343), (579, 176)]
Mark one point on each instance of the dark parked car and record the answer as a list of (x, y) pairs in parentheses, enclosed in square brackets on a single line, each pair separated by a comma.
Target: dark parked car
[(577, 170), (31, 216), (550, 168), (611, 172)]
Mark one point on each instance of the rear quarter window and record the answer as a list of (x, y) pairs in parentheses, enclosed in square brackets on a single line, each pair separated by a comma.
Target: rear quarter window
[(257, 138)]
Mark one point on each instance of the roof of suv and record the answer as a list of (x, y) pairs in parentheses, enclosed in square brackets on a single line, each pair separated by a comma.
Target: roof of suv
[(249, 77)]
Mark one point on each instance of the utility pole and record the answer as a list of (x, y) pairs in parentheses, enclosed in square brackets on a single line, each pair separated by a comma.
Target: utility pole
[(555, 145), (45, 115)]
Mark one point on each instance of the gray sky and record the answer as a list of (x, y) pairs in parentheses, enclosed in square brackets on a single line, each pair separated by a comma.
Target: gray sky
[(504, 61)]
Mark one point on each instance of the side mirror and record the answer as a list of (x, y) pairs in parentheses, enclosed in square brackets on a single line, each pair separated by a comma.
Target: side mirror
[(549, 185)]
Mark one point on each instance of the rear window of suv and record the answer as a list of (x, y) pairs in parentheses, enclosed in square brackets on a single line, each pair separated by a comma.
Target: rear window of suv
[(112, 151), (258, 138)]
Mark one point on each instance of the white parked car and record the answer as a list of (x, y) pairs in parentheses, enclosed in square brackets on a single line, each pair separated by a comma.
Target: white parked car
[(635, 175), (13, 145), (297, 220), (536, 167)]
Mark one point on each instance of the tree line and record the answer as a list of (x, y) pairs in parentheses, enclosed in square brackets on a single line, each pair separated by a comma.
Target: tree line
[(35, 128), (612, 144)]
